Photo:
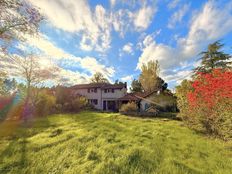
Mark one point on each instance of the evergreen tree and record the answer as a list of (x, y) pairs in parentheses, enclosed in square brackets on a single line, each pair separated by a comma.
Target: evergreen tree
[(213, 58), (136, 86)]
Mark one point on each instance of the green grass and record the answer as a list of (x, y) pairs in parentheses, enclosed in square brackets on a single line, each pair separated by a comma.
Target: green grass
[(110, 143)]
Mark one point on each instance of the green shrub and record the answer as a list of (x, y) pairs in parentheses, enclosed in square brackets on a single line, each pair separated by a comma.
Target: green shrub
[(206, 103), (78, 103), (129, 107), (45, 104)]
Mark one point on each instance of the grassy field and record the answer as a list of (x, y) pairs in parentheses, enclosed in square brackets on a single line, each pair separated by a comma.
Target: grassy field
[(109, 143)]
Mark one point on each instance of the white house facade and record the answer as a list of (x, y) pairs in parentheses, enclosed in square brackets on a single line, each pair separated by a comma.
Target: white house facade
[(102, 96)]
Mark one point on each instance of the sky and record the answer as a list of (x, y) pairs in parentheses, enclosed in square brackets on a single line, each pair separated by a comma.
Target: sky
[(115, 37)]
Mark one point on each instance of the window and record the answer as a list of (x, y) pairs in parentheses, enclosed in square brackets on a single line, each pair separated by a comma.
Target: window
[(112, 90), (88, 90), (95, 101), (105, 90), (95, 90)]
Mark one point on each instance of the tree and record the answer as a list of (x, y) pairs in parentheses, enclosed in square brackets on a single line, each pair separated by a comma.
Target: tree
[(210, 103), (99, 78), (18, 17), (30, 69), (8, 86), (149, 77), (117, 82), (213, 58), (136, 86), (2, 78), (182, 101), (161, 84)]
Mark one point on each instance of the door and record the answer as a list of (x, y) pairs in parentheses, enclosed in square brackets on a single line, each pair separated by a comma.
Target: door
[(104, 105), (111, 105)]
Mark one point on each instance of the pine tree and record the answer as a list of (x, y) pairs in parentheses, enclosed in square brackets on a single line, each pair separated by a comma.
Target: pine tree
[(136, 86), (214, 58)]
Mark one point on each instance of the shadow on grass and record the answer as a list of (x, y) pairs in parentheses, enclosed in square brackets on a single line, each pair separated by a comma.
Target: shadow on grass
[(15, 146), (15, 156), (45, 146)]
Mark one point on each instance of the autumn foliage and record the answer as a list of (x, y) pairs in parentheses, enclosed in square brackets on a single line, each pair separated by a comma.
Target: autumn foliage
[(207, 103), (211, 89)]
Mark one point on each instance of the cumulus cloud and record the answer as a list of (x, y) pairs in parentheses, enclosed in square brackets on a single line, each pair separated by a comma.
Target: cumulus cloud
[(63, 61), (128, 48), (127, 78), (178, 16), (122, 21), (76, 16), (94, 25), (143, 17), (207, 25)]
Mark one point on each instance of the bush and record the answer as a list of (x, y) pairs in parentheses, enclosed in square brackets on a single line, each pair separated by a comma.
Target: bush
[(129, 107), (16, 112), (166, 101), (207, 103), (182, 101), (78, 103), (68, 101), (45, 104)]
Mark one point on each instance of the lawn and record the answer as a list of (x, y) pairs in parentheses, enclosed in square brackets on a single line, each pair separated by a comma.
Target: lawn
[(109, 143)]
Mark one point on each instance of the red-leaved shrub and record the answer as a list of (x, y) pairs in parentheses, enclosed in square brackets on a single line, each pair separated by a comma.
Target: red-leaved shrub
[(210, 103)]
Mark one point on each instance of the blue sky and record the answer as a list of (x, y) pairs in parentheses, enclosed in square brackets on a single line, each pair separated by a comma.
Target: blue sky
[(116, 37)]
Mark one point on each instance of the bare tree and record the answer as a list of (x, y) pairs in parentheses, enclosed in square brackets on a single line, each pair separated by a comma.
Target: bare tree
[(30, 69), (17, 17)]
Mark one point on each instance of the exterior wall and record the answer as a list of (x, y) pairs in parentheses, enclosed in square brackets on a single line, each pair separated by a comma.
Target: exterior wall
[(91, 95), (118, 93), (162, 100), (100, 95)]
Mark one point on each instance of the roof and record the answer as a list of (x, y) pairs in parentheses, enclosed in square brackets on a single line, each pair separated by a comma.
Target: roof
[(100, 85), (129, 97)]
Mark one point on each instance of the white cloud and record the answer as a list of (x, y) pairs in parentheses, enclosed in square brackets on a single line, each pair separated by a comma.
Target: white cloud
[(178, 16), (143, 18), (207, 25), (76, 16), (127, 78), (46, 46), (177, 76), (122, 21), (92, 65), (128, 48), (59, 75), (146, 40), (112, 3), (173, 4), (59, 57), (210, 24)]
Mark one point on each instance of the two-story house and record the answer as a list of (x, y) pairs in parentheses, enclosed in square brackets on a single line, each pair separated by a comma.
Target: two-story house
[(102, 96)]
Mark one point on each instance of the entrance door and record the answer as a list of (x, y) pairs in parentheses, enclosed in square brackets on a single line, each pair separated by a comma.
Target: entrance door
[(111, 105), (104, 105)]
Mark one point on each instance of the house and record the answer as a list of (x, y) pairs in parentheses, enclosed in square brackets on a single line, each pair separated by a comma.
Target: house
[(139, 98), (148, 101), (102, 96)]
